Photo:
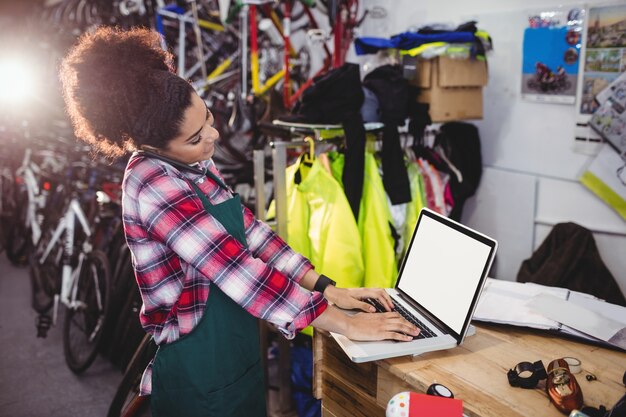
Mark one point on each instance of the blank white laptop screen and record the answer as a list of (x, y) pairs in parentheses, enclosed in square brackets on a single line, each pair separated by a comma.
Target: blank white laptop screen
[(431, 275)]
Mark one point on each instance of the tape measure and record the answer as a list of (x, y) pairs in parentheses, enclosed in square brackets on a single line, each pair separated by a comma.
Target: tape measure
[(439, 390)]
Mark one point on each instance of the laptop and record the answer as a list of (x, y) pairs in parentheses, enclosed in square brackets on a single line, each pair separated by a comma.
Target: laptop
[(439, 283)]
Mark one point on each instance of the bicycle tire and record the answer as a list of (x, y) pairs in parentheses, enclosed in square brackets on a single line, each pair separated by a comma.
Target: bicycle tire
[(18, 235), (45, 274), (126, 402), (93, 317), (7, 205)]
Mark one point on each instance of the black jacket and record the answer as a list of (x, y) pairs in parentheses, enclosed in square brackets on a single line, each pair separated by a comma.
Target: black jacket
[(569, 258)]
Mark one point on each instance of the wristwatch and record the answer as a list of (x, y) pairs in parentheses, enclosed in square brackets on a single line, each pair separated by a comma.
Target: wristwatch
[(322, 282), (527, 375)]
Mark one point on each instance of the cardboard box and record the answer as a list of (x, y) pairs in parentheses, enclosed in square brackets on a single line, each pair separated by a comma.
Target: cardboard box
[(452, 87)]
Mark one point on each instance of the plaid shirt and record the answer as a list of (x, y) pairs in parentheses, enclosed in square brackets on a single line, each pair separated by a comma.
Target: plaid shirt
[(178, 250)]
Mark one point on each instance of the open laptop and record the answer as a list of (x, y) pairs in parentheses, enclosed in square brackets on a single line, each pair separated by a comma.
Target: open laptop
[(439, 283)]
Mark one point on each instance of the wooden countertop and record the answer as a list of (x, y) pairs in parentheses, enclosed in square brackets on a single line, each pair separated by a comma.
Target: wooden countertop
[(476, 372)]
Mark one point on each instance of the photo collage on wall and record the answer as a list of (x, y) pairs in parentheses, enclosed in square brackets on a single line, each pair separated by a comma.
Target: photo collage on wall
[(552, 45), (609, 119), (603, 99), (605, 55)]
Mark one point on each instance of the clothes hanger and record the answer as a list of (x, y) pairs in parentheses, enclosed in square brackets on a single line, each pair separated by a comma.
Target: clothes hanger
[(309, 158), (454, 169)]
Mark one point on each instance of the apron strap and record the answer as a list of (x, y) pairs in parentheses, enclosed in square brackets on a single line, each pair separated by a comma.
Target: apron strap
[(205, 201), (216, 179)]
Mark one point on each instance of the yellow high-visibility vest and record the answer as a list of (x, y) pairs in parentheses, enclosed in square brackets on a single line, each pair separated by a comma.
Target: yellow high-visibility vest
[(379, 259)]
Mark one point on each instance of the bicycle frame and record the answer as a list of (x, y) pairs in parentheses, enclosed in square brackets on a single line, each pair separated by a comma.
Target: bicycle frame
[(69, 279), (28, 172), (191, 17), (258, 89), (341, 30)]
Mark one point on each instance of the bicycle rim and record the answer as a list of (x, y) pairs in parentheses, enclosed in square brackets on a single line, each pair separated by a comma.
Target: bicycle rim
[(127, 401), (84, 323), (7, 207)]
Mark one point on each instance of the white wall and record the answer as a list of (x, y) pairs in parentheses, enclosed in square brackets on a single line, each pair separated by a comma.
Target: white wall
[(531, 171)]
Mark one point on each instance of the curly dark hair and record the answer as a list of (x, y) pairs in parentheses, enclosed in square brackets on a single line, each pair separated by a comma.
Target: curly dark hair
[(121, 92)]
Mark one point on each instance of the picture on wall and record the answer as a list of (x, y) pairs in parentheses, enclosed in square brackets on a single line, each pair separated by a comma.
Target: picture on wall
[(605, 55), (552, 44), (609, 119)]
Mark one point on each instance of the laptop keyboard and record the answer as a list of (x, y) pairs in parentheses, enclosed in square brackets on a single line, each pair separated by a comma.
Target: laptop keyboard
[(425, 332)]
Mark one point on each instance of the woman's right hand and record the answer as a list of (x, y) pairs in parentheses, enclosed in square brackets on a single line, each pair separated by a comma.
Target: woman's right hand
[(366, 326), (380, 326)]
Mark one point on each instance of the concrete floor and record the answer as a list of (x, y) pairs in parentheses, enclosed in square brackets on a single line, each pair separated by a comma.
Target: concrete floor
[(34, 379)]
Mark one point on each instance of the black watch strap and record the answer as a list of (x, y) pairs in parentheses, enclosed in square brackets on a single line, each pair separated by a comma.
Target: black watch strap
[(322, 282), (537, 372)]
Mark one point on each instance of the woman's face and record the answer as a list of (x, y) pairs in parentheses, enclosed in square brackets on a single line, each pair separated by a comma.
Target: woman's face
[(196, 140)]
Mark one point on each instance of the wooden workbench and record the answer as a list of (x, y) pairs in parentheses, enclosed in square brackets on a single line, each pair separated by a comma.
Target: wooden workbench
[(475, 372)]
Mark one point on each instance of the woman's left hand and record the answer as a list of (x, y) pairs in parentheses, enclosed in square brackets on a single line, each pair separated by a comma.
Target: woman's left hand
[(351, 298)]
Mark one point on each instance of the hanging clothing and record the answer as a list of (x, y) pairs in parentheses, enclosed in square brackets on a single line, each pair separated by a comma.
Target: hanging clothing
[(337, 97), (320, 223), (181, 254), (439, 182), (429, 189), (408, 40), (415, 205), (569, 258), (461, 144), (215, 370), (374, 224), (394, 95)]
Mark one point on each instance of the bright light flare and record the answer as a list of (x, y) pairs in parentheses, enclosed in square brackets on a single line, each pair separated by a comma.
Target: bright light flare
[(17, 81)]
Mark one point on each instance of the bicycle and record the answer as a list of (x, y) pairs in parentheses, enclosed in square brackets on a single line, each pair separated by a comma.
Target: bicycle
[(84, 286), (343, 19), (8, 206), (127, 402), (32, 185)]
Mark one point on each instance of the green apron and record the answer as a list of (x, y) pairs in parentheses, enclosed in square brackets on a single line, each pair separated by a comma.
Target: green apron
[(216, 369)]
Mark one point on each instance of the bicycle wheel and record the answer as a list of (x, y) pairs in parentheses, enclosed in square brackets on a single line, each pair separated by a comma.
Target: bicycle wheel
[(7, 205), (45, 274), (84, 322), (127, 402)]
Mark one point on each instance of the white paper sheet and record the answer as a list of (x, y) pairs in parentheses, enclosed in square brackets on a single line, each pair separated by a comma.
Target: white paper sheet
[(580, 318)]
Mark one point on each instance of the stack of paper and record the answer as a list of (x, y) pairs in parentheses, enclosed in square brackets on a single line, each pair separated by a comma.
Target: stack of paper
[(552, 308)]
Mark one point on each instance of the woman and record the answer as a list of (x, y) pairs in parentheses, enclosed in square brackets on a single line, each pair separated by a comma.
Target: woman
[(206, 268)]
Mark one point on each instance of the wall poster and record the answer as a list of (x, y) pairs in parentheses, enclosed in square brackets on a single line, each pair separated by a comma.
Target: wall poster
[(605, 55), (552, 45), (609, 119), (603, 61)]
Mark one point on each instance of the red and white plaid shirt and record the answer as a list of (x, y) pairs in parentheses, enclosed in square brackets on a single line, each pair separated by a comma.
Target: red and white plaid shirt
[(178, 249)]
